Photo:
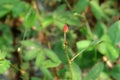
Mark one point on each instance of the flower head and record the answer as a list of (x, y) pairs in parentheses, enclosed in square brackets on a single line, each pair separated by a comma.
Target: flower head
[(65, 28)]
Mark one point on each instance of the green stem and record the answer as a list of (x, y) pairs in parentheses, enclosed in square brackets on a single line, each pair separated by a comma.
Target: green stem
[(91, 44), (88, 28), (69, 62), (78, 54), (20, 53), (89, 32), (67, 56), (24, 35), (16, 68), (64, 37), (68, 5)]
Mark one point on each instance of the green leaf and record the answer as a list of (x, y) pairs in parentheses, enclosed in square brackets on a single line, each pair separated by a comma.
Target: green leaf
[(2, 55), (100, 29), (97, 11), (94, 73), (86, 60), (59, 50), (40, 59), (19, 9), (114, 33), (83, 44), (4, 65), (5, 40), (6, 6), (29, 43), (60, 8), (4, 11), (105, 38), (31, 49), (108, 50), (31, 54), (47, 20), (47, 74), (66, 18), (76, 72), (81, 5), (115, 73), (112, 53), (104, 76), (102, 48), (30, 18), (2, 2), (106, 6), (52, 61), (35, 78), (111, 12)]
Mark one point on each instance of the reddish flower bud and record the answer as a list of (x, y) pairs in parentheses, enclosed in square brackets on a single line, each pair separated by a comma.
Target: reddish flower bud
[(65, 28)]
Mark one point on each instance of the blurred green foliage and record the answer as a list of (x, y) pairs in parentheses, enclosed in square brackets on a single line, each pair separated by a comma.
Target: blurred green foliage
[(32, 44)]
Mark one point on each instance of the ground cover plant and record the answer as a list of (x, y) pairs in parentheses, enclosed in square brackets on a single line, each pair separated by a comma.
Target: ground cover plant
[(59, 40)]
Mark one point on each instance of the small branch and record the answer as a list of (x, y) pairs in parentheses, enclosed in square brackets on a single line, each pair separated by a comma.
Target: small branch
[(86, 24), (68, 5), (16, 68), (79, 53), (24, 35), (91, 44), (38, 12)]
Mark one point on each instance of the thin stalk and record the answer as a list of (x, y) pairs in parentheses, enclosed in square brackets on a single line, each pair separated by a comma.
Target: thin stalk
[(68, 4), (16, 68), (24, 35), (86, 23), (88, 29), (91, 44), (67, 56), (78, 54), (38, 13), (69, 62), (64, 38), (20, 57), (20, 53)]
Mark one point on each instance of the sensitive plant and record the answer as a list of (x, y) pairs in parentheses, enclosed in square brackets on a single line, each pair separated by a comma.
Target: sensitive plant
[(38, 49)]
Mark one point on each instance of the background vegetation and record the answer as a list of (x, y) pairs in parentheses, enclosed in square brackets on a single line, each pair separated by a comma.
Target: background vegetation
[(32, 45)]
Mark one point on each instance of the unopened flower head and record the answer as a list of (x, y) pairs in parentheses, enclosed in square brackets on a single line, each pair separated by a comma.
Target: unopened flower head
[(65, 28)]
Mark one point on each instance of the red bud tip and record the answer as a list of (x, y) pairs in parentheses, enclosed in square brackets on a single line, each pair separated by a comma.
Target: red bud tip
[(65, 28)]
